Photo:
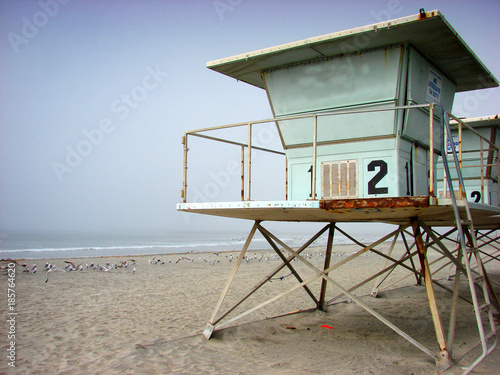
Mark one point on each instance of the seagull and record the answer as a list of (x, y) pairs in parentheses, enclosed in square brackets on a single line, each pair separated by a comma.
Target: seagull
[(9, 261), (70, 266), (52, 270), (48, 266)]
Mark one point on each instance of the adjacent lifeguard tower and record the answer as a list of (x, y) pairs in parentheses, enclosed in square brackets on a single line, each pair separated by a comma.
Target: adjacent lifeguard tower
[(474, 140), (362, 116)]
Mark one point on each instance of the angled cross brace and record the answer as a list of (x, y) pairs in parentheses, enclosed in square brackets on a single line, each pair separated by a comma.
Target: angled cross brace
[(318, 274), (214, 319), (324, 275), (475, 275), (480, 235), (485, 239), (288, 264), (428, 244), (442, 358), (400, 262), (210, 326)]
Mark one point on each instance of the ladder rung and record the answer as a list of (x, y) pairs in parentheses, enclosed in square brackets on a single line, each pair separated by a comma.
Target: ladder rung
[(484, 307), (466, 222)]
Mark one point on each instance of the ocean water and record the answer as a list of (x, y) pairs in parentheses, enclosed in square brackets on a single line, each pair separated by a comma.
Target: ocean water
[(66, 245), (43, 246), (37, 246)]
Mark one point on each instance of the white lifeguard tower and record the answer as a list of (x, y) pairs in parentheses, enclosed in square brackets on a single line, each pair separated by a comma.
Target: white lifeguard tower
[(362, 116)]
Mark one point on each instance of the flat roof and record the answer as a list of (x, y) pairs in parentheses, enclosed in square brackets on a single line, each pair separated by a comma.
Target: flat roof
[(398, 210), (432, 35), (477, 122)]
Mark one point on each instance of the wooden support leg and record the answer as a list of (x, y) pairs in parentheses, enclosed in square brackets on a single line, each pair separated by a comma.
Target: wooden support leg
[(443, 358), (328, 255)]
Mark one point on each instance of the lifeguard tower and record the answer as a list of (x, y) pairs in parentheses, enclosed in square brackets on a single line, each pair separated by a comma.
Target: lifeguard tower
[(362, 116), (474, 140)]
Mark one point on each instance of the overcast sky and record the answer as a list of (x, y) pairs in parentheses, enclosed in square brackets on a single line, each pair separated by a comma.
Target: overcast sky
[(95, 96)]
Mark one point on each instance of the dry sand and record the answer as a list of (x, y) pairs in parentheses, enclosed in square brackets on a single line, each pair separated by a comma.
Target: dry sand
[(150, 321)]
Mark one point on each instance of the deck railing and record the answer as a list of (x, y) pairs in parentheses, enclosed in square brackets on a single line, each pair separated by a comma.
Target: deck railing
[(248, 146)]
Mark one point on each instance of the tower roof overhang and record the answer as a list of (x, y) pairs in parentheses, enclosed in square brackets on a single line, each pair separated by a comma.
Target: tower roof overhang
[(429, 32)]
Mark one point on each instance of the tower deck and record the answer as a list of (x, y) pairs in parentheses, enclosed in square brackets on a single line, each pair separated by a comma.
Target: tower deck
[(398, 210)]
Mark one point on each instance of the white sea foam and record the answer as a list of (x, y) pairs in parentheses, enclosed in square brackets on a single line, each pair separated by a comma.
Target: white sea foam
[(33, 247)]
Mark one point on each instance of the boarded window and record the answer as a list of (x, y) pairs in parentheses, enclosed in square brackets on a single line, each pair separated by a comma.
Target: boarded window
[(339, 179)]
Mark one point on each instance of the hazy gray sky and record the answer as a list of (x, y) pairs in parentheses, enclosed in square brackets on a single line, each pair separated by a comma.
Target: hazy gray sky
[(95, 96)]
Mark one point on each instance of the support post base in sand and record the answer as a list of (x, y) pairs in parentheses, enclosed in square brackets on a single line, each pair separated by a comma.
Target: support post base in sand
[(207, 332), (443, 361)]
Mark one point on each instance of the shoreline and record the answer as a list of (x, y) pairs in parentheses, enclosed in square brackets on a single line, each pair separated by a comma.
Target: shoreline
[(45, 248), (158, 253)]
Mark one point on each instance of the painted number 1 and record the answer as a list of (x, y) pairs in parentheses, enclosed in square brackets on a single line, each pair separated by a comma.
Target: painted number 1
[(382, 172)]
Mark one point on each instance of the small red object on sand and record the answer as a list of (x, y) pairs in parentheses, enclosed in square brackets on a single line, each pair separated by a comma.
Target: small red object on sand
[(325, 326)]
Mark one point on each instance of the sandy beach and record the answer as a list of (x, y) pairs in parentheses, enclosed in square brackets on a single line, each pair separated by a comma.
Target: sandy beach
[(149, 321)]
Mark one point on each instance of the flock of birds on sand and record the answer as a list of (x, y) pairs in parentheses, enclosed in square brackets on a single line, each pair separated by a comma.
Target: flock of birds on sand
[(71, 267), (130, 264)]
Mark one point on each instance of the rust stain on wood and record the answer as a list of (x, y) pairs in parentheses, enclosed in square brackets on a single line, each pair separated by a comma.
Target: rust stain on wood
[(375, 203)]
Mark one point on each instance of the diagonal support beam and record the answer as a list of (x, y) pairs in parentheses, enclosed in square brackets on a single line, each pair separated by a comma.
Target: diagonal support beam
[(379, 280), (210, 325), (418, 279), (440, 245), (288, 264), (381, 272), (324, 275), (400, 262)]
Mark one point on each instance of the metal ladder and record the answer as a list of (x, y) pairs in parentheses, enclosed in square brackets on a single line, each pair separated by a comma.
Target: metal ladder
[(470, 252)]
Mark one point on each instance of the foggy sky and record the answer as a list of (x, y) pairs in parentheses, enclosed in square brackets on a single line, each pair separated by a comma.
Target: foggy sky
[(95, 96)]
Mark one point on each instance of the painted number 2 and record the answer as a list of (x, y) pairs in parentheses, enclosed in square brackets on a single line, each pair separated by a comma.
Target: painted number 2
[(476, 195), (382, 172)]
